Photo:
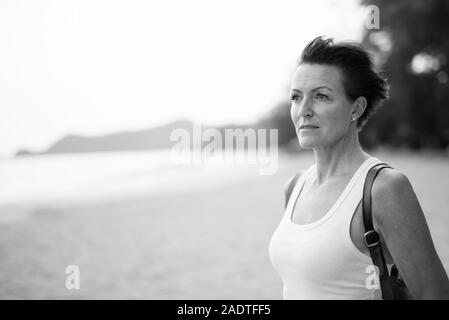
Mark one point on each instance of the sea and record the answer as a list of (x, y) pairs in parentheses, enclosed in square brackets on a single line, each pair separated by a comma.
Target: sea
[(97, 176)]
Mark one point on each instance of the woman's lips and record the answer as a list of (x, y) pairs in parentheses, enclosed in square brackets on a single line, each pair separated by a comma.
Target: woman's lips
[(308, 126)]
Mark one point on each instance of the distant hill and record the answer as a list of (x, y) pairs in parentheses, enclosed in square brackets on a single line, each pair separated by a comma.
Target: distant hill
[(150, 139)]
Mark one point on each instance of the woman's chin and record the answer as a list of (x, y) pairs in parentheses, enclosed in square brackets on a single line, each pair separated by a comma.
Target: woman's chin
[(306, 143)]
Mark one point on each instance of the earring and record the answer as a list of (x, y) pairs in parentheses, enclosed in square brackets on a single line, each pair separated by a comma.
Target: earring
[(353, 118)]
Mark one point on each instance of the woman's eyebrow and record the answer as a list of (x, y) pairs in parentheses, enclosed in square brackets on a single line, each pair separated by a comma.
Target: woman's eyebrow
[(317, 88), (321, 87)]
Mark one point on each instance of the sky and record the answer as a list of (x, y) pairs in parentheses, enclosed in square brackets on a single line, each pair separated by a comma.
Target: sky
[(101, 66)]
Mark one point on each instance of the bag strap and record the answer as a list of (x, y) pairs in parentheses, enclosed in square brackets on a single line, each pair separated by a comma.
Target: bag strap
[(372, 238), (290, 188)]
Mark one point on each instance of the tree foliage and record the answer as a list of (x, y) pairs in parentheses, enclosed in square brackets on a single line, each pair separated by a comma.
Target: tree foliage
[(412, 48)]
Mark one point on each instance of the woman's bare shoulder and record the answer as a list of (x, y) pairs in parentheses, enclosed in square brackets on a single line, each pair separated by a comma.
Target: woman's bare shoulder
[(390, 181), (392, 192)]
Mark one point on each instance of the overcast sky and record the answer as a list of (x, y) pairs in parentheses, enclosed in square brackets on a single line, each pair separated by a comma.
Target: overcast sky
[(99, 66)]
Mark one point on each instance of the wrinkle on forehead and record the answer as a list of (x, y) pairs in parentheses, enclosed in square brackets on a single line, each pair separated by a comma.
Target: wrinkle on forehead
[(310, 76)]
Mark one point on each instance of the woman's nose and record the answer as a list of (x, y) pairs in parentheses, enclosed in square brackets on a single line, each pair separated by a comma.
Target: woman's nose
[(305, 109)]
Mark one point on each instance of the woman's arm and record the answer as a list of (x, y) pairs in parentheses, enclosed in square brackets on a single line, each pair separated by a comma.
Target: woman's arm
[(400, 221)]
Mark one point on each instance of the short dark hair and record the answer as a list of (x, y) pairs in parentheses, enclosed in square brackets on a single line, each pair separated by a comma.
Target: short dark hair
[(360, 79)]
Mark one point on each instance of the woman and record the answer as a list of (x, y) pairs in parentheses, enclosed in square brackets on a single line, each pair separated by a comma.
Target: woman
[(318, 248)]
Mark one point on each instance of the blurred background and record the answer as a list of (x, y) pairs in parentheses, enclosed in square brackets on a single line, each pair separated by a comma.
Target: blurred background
[(91, 90)]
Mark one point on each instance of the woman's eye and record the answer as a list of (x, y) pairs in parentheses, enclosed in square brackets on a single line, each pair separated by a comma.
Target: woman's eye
[(295, 98), (321, 96)]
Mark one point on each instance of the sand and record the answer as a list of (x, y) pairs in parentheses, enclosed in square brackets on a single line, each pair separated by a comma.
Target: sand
[(204, 243)]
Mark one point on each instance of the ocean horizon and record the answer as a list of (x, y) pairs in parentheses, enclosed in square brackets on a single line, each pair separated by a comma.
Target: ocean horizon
[(92, 176)]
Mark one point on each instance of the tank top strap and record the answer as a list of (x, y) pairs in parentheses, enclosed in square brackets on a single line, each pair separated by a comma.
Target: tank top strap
[(359, 182), (355, 192), (297, 189)]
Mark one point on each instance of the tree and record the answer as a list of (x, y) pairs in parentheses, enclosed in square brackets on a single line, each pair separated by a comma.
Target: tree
[(412, 47)]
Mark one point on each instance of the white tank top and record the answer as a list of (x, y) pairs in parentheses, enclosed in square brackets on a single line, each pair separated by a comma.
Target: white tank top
[(319, 260)]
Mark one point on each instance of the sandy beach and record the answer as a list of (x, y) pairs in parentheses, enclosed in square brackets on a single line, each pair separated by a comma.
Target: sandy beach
[(210, 242)]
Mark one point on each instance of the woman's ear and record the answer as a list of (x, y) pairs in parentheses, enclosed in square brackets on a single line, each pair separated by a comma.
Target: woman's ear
[(359, 107)]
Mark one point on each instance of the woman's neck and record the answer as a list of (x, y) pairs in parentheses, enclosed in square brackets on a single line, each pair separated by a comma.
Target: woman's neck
[(340, 159)]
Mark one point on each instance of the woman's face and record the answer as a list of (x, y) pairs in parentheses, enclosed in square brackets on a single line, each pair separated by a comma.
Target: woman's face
[(319, 100)]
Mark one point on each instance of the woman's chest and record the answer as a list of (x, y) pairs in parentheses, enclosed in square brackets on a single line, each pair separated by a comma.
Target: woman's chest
[(315, 207), (313, 203)]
